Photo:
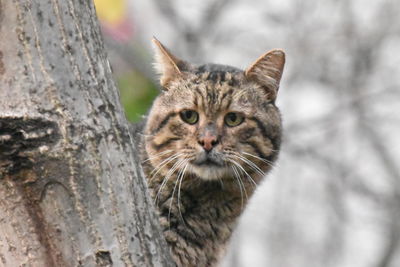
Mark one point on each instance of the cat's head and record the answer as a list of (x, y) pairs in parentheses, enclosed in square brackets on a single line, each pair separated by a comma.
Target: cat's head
[(214, 121)]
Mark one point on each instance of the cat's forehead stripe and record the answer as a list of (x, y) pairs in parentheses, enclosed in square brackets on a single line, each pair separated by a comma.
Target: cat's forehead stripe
[(215, 90), (225, 94), (220, 77), (212, 98)]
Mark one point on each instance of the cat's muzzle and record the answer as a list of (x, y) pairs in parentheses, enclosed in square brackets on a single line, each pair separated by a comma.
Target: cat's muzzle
[(209, 166), (209, 159)]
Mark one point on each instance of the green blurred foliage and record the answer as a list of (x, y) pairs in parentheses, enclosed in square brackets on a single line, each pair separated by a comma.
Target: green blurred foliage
[(137, 93)]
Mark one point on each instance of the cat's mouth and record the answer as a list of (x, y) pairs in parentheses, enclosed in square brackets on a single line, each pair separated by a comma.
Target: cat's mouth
[(209, 166), (208, 160)]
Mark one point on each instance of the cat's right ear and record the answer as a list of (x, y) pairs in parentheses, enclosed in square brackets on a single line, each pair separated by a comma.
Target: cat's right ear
[(267, 71), (166, 64)]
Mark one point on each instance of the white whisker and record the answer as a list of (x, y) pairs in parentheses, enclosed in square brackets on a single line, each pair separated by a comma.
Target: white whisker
[(239, 181), (240, 184), (163, 164), (157, 155), (251, 164), (182, 162), (259, 158), (179, 191), (221, 182), (168, 176), (244, 171)]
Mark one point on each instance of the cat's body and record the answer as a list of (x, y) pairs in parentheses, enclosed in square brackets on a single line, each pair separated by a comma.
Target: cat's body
[(209, 139)]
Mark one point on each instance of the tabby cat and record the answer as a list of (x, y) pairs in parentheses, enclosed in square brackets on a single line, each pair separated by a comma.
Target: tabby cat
[(209, 138)]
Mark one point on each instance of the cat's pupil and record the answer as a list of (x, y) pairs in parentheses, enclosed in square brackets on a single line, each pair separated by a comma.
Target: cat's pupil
[(232, 117), (188, 114)]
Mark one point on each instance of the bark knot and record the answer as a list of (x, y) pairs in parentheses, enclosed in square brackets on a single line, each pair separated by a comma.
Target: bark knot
[(103, 258), (21, 139)]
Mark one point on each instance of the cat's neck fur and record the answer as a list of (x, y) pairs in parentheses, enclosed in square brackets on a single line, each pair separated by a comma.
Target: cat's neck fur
[(199, 220)]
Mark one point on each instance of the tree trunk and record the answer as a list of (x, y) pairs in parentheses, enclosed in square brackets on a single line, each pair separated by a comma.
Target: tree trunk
[(72, 192)]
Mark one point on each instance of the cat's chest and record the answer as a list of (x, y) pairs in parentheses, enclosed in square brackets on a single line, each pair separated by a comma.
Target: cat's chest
[(205, 212), (198, 236)]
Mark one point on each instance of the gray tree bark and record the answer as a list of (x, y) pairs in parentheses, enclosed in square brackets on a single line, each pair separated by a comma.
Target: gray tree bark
[(72, 192)]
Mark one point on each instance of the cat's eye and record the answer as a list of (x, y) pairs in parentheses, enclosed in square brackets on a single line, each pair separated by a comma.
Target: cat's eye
[(233, 119), (189, 116)]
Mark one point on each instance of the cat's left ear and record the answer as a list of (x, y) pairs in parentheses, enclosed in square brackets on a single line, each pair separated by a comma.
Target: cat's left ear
[(267, 71), (166, 64)]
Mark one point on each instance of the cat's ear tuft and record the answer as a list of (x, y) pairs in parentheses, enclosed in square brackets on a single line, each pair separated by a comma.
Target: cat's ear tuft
[(166, 64), (267, 71)]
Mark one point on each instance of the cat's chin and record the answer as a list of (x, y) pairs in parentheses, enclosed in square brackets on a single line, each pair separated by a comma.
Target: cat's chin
[(209, 172)]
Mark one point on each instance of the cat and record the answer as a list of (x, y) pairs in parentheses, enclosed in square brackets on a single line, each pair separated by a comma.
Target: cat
[(208, 140)]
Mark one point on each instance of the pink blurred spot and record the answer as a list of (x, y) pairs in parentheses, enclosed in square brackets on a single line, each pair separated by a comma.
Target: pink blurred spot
[(121, 32)]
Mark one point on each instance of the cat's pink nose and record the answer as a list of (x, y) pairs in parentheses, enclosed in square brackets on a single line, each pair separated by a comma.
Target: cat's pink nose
[(208, 141)]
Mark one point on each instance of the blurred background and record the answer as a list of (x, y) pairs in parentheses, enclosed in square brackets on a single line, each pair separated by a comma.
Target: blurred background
[(334, 197)]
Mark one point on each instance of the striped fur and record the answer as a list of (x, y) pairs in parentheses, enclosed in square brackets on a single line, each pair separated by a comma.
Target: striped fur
[(199, 200)]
